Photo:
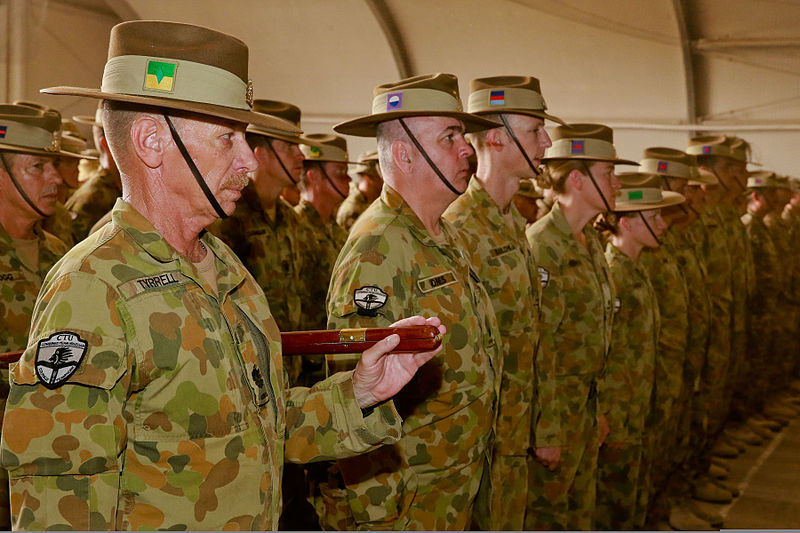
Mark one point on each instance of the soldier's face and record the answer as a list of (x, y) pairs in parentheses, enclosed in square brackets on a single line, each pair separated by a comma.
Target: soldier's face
[(694, 197), (534, 139), (370, 184), (220, 151), (677, 185), (607, 181), (337, 172), (443, 140), (67, 168), (38, 178), (291, 157), (640, 231)]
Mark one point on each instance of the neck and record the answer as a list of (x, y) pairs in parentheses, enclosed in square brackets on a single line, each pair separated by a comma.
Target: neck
[(268, 191), (19, 225), (497, 180), (577, 213), (627, 246), (325, 209)]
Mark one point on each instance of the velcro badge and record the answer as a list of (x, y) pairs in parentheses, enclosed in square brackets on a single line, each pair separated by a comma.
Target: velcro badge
[(58, 357), (544, 276), (156, 281), (369, 299), (437, 282), (14, 275)]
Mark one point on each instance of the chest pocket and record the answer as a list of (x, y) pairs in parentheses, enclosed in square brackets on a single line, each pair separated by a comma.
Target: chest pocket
[(256, 353)]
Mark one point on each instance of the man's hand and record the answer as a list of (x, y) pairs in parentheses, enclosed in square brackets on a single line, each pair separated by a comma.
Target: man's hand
[(549, 457), (380, 375)]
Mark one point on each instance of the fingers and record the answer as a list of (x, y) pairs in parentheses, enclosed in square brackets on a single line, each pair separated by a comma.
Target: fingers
[(379, 349)]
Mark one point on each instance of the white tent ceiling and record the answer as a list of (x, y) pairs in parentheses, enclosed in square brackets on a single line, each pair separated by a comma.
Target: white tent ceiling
[(656, 70)]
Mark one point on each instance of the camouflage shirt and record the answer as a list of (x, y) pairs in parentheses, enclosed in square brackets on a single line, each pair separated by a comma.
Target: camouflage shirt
[(498, 251), (146, 399), (60, 224), (575, 328), (320, 245), (768, 267), (626, 387), (352, 207), (270, 251), (391, 267), (20, 284), (779, 230), (93, 199)]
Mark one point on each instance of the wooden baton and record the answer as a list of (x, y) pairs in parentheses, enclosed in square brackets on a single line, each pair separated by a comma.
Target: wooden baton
[(413, 339)]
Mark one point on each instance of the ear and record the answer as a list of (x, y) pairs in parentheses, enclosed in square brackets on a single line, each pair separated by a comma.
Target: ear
[(260, 153), (576, 178), (496, 139), (625, 222), (401, 155), (148, 139)]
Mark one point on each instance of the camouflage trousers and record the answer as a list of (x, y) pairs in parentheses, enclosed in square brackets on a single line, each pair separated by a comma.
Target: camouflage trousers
[(5, 504), (564, 499), (714, 376), (329, 497), (618, 476), (500, 504)]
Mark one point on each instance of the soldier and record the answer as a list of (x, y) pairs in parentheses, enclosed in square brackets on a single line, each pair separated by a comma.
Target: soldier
[(402, 256), (364, 190), (575, 326), (323, 189), (96, 196), (493, 232), (151, 393), (626, 386), (526, 200), (29, 149)]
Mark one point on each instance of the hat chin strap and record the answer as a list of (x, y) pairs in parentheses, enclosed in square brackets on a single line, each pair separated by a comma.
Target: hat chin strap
[(519, 145), (196, 173), (596, 186), (335, 188), (19, 188), (646, 225), (428, 159), (280, 161), (665, 181)]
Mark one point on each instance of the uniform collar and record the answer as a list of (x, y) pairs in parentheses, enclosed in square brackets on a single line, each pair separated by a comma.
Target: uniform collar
[(230, 271), (499, 221), (392, 199)]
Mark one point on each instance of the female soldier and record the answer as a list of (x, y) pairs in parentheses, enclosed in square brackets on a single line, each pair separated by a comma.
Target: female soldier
[(576, 315), (625, 389)]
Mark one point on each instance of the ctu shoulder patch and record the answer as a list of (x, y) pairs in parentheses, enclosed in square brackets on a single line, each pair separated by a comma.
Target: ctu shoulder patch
[(58, 357), (369, 299), (544, 276), (437, 282)]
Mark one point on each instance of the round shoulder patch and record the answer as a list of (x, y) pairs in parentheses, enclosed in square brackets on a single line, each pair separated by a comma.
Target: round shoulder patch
[(369, 299), (58, 357)]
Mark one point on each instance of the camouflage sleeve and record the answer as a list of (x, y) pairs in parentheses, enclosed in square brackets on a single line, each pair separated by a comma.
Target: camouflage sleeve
[(325, 422), (547, 406), (63, 441)]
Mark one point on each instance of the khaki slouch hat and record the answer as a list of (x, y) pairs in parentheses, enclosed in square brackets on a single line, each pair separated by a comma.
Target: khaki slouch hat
[(179, 66), (520, 95), (591, 142), (641, 191)]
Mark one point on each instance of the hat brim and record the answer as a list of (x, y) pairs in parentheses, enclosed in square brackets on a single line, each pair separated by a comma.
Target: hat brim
[(86, 120), (511, 111), (33, 151), (230, 113), (293, 139), (324, 160), (367, 126), (616, 161), (669, 198)]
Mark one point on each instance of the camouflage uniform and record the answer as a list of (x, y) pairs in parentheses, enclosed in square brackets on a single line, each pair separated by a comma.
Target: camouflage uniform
[(670, 396), (779, 230), (626, 389), (60, 224), (19, 286), (352, 207), (575, 332), (177, 416), (763, 308), (499, 253), (320, 247), (93, 199), (430, 478)]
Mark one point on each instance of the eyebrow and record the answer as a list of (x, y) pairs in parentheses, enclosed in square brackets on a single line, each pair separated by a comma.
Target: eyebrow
[(454, 129)]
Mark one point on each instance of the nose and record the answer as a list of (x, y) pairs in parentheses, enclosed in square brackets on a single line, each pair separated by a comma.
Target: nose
[(296, 153), (546, 138), (51, 175), (245, 159), (660, 224), (464, 148), (615, 183)]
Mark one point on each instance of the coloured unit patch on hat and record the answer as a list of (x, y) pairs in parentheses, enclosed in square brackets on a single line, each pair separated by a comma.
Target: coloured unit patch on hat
[(662, 166), (497, 98), (706, 149), (635, 195), (578, 147), (3, 130), (394, 101), (314, 151), (160, 76)]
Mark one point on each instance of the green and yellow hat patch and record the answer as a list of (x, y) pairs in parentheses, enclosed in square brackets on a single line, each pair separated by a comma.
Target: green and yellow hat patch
[(160, 76)]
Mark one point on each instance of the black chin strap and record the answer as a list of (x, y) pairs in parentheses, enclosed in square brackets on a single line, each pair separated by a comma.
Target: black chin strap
[(596, 187), (196, 173), (665, 183), (428, 159), (646, 225), (519, 145), (335, 188), (280, 161), (19, 188)]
